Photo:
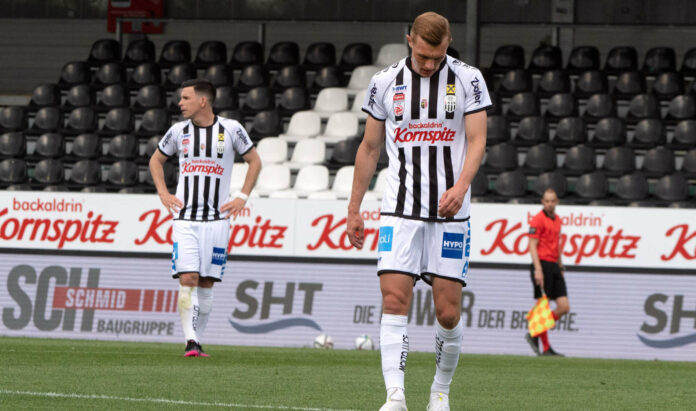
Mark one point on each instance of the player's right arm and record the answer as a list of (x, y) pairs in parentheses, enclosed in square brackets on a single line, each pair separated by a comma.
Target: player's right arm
[(170, 202), (365, 165)]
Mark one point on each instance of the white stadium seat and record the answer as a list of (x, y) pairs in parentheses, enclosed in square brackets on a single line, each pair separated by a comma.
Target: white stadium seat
[(339, 127), (310, 179), (343, 182), (331, 100), (356, 107), (239, 171), (286, 194), (306, 152), (391, 53), (273, 177), (303, 124), (272, 150), (322, 195), (360, 78)]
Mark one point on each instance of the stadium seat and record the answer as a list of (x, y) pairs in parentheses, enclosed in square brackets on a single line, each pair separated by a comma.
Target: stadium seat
[(360, 79), (149, 97), (285, 194), (18, 187), (570, 131), (232, 115), (118, 120), (253, 76), (13, 171), (50, 145), (13, 118), (175, 52), (49, 172), (226, 98), (85, 173), (47, 119), (507, 57), (618, 161), (592, 186), (632, 187), (553, 82), (343, 182), (629, 84), (104, 51), (310, 179), (688, 167), (272, 150), (497, 130), (13, 144), (583, 58), (668, 85), (303, 124), (170, 175), (45, 95), (479, 185), (145, 74), (545, 58), (87, 145), (319, 55), (211, 52), (273, 177), (343, 153), (356, 106), (659, 60), (246, 53), (390, 53), (591, 82), (292, 100), (658, 161), (124, 146), (289, 76), (681, 108), (330, 76), (684, 136), (510, 184), (283, 53), (331, 100), (531, 130), (500, 157), (540, 158), (620, 59), (110, 73), (648, 133), (219, 75), (178, 74), (579, 159), (73, 73), (355, 55), (609, 132), (688, 67), (381, 183), (123, 173), (599, 106), (561, 105), (340, 126), (139, 51), (307, 152), (551, 179), (258, 99), (239, 171), (672, 187), (522, 105), (266, 124), (87, 189), (115, 95), (643, 106), (515, 81)]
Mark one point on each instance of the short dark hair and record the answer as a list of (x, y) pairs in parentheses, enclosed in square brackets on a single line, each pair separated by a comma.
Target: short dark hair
[(201, 87)]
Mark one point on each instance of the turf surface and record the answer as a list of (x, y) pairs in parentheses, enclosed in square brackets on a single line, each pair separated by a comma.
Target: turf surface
[(91, 375)]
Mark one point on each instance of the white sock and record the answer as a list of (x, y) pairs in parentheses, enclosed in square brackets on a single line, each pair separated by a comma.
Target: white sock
[(448, 344), (188, 310), (205, 300), (393, 342)]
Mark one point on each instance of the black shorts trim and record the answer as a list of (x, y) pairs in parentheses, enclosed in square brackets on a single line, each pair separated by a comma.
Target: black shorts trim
[(372, 115), (210, 220), (427, 219), (416, 277), (554, 282), (478, 109), (425, 278), (215, 280)]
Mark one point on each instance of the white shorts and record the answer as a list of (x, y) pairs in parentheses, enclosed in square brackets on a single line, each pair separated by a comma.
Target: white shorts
[(424, 249), (200, 247)]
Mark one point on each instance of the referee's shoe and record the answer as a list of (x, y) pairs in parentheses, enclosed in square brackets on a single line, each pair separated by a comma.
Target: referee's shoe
[(533, 342), (551, 353)]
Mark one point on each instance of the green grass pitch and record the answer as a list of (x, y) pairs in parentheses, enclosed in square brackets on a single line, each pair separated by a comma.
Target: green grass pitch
[(47, 374)]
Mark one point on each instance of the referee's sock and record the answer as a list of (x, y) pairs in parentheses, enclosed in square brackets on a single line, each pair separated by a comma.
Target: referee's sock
[(555, 316), (544, 337)]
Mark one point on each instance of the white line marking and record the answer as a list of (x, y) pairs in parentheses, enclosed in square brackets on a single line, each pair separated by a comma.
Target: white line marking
[(160, 400)]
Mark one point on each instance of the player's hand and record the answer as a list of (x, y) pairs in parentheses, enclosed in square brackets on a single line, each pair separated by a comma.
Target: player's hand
[(539, 277), (451, 201), (562, 270), (171, 202), (355, 228), (232, 208)]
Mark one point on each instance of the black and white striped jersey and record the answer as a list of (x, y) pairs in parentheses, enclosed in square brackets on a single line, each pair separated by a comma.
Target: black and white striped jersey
[(206, 157), (425, 138)]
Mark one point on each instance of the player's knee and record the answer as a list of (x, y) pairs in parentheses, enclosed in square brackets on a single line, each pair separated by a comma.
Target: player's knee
[(448, 317), (395, 303), (188, 279)]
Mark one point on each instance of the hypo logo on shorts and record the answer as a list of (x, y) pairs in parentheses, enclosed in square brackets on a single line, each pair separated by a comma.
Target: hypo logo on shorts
[(386, 235), (218, 256), (452, 245)]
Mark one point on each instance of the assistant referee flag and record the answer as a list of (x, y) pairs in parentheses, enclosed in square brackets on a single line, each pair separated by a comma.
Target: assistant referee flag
[(540, 318)]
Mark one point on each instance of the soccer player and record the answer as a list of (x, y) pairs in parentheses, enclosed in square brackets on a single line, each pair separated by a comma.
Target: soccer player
[(431, 109), (547, 267), (206, 146)]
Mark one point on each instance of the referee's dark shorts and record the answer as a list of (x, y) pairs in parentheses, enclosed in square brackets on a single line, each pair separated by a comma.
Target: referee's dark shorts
[(554, 283)]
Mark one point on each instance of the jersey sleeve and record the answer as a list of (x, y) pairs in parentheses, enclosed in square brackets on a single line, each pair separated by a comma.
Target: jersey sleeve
[(476, 97), (373, 103), (240, 139), (168, 145), (535, 227)]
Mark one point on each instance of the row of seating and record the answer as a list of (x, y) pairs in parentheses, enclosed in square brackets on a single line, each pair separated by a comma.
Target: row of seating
[(582, 58)]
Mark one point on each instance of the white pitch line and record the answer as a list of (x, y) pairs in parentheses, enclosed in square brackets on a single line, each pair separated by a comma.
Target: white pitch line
[(160, 400)]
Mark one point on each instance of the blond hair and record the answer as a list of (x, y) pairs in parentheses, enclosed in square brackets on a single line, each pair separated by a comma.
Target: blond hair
[(432, 27)]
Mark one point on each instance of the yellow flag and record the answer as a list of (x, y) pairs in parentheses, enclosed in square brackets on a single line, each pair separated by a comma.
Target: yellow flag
[(540, 318)]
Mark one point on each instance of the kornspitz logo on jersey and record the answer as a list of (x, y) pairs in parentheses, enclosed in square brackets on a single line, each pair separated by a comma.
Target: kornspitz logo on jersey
[(265, 307), (670, 321)]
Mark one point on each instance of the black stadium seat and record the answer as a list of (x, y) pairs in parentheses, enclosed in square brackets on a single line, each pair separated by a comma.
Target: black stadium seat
[(47, 119), (632, 187), (104, 51), (479, 185), (175, 52), (553, 82), (139, 51), (629, 84), (145, 74), (117, 121), (688, 167), (648, 133), (246, 53), (618, 161), (211, 52), (531, 130), (579, 159), (49, 172), (658, 161), (515, 81), (110, 73), (668, 85), (75, 72), (511, 184), (151, 146), (591, 82), (497, 129), (253, 76), (50, 145), (599, 106), (540, 158), (344, 153), (570, 131), (155, 121), (13, 118), (226, 98), (87, 145), (609, 132), (178, 74), (290, 76), (259, 99), (688, 67), (319, 55), (684, 136), (672, 187), (232, 115), (620, 59), (659, 60), (115, 95), (219, 75), (123, 174), (501, 157), (592, 186), (283, 53), (292, 100), (508, 57), (47, 94), (583, 58), (81, 95), (522, 105), (170, 176), (330, 76), (148, 97), (551, 179), (355, 55), (266, 124), (81, 120), (643, 106), (546, 58), (13, 144), (681, 107), (85, 173), (561, 105), (13, 171)]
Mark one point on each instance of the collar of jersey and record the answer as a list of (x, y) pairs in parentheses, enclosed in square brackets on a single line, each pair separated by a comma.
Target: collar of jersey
[(215, 119), (408, 64), (547, 215)]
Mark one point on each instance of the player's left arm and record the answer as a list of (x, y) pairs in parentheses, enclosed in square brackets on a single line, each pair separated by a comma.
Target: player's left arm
[(475, 129), (237, 203)]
